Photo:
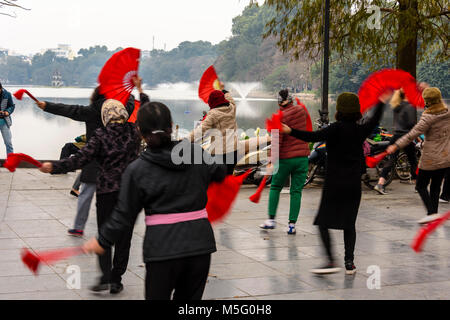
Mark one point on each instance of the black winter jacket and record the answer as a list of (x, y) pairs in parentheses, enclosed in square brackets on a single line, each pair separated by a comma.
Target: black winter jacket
[(405, 118), (91, 115), (157, 185)]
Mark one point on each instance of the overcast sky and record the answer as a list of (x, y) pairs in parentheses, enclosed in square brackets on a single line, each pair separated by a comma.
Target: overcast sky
[(115, 23)]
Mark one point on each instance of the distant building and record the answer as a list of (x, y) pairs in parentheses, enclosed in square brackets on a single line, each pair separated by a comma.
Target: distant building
[(63, 51), (145, 54)]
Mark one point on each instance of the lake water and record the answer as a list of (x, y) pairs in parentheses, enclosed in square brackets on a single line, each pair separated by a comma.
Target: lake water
[(42, 135)]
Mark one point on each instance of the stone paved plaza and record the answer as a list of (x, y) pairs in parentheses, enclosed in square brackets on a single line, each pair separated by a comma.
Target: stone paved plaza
[(36, 210)]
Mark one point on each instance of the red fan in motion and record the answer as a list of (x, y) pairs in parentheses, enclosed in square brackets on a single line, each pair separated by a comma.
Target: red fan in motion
[(423, 233), (19, 94), (13, 160), (222, 195), (257, 196), (372, 162), (389, 79), (133, 117), (309, 126), (275, 122), (33, 261), (208, 83), (116, 77)]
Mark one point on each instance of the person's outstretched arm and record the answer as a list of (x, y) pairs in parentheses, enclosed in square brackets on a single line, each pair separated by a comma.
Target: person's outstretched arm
[(77, 161), (74, 112), (320, 135), (374, 121)]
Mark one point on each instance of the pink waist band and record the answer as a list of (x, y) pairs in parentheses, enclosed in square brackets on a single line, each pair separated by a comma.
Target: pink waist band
[(171, 218)]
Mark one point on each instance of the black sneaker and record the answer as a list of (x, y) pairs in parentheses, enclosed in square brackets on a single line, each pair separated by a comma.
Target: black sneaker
[(75, 232), (380, 189), (444, 200), (350, 267), (326, 269), (100, 287), (116, 288)]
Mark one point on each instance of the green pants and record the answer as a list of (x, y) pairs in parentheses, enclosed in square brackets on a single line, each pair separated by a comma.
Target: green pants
[(297, 168)]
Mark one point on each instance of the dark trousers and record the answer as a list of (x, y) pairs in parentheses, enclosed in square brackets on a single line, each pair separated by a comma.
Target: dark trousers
[(112, 269), (68, 150), (446, 188), (434, 179), (187, 276), (410, 151), (349, 243)]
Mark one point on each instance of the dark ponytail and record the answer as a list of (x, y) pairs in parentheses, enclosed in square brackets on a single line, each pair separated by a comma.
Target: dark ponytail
[(155, 124)]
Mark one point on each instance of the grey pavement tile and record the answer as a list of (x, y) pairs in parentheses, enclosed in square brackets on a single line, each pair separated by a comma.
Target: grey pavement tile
[(241, 270), (37, 228), (17, 268), (275, 254), (42, 295), (60, 241), (315, 295), (42, 283), (224, 257), (12, 244), (6, 232), (270, 285), (216, 289), (9, 255), (428, 291), (384, 293)]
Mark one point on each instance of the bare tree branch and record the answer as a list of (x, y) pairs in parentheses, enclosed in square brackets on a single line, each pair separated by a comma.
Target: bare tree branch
[(11, 4)]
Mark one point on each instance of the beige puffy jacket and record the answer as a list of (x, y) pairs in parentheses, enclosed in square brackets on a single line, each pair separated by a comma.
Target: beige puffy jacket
[(222, 119), (435, 125)]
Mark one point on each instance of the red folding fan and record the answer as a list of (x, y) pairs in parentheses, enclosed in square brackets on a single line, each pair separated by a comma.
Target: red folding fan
[(309, 126), (426, 230), (222, 195), (33, 261), (275, 122), (115, 79), (13, 160), (257, 196), (389, 79), (208, 83), (19, 94), (133, 117), (372, 162)]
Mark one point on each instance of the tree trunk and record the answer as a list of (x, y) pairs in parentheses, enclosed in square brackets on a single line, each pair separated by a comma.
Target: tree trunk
[(407, 36)]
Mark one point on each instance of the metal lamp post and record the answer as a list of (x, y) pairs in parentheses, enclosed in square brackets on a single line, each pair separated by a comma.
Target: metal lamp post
[(326, 62)]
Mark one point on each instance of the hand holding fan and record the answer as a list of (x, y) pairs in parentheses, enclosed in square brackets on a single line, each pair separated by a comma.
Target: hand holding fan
[(208, 83), (389, 79), (13, 160), (372, 162), (33, 261), (222, 195), (116, 77), (275, 122), (19, 95)]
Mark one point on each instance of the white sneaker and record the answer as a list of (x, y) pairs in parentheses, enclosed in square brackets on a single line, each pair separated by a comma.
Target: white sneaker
[(429, 218), (291, 229), (443, 200), (268, 224)]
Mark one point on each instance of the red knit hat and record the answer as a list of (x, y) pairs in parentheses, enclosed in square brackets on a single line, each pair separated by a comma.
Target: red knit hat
[(216, 99)]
